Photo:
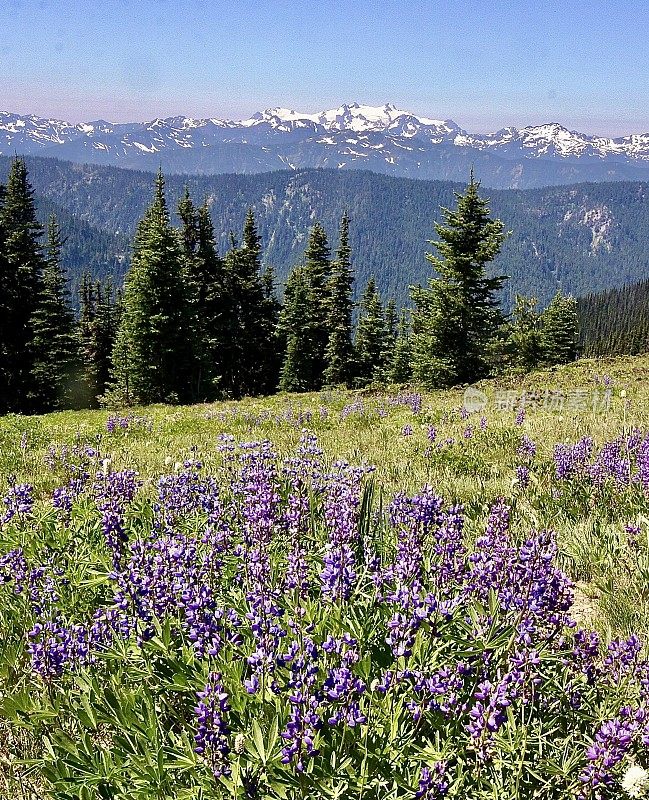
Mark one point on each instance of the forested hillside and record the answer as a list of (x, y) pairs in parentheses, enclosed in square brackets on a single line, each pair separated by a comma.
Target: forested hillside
[(615, 322), (581, 238)]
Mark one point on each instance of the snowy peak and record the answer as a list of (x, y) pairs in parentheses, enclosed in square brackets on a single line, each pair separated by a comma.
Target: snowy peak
[(354, 117), (383, 138)]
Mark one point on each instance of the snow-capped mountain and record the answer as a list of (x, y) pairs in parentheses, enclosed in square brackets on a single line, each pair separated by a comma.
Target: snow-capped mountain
[(379, 138)]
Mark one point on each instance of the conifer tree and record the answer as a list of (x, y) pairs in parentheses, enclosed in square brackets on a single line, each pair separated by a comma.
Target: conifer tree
[(252, 360), (317, 269), (391, 319), (457, 315), (391, 328), (56, 352), (339, 353), (400, 367), (208, 295), (303, 323), (21, 268), (153, 354), (97, 331), (371, 337), (296, 372), (526, 336), (560, 329)]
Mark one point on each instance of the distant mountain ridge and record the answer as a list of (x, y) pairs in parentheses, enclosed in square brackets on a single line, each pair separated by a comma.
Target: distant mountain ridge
[(582, 238), (382, 139)]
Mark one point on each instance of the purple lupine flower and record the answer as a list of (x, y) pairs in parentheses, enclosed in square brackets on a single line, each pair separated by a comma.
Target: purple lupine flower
[(571, 460), (212, 739), (18, 501), (612, 461), (642, 463), (296, 519), (13, 569), (488, 713), (410, 399), (609, 747), (342, 690), (305, 701), (433, 783), (406, 430), (55, 647), (113, 491), (526, 448), (523, 476), (357, 407), (633, 536), (520, 416), (342, 491)]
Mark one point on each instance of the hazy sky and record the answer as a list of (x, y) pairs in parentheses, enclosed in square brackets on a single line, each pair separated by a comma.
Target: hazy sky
[(483, 64)]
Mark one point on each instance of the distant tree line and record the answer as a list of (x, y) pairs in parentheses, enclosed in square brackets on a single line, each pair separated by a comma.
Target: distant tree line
[(192, 325), (615, 322)]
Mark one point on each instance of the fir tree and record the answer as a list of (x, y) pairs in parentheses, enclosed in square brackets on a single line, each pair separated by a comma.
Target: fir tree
[(400, 368), (97, 331), (317, 269), (153, 355), (391, 328), (526, 335), (303, 322), (251, 361), (55, 346), (457, 315), (371, 344), (21, 268), (560, 329), (208, 296), (339, 353), (296, 372)]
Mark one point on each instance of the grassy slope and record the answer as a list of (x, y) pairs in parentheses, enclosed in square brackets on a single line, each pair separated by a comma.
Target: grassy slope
[(473, 471)]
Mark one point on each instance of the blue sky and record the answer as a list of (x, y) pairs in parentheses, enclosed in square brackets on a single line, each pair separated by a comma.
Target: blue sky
[(483, 64)]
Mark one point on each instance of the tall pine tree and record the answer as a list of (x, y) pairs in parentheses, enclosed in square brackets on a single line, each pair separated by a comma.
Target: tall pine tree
[(296, 371), (99, 313), (55, 345), (457, 315), (560, 330), (21, 268), (372, 337), (526, 336), (304, 320), (209, 296), (153, 358), (400, 367), (339, 353)]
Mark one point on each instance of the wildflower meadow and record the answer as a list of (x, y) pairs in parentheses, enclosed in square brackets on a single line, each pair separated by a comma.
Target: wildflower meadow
[(344, 595)]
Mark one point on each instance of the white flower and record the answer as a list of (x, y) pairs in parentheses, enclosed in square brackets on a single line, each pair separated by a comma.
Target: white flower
[(636, 781), (168, 461), (106, 465), (623, 393), (239, 743)]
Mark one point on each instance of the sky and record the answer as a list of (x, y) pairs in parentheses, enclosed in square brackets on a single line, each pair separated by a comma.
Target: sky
[(483, 63)]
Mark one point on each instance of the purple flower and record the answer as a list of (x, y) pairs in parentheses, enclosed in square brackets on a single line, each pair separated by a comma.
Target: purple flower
[(212, 732), (433, 783), (523, 476), (609, 747), (18, 502)]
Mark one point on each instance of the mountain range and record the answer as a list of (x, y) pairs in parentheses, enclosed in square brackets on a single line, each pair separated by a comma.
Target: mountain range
[(581, 238), (381, 139)]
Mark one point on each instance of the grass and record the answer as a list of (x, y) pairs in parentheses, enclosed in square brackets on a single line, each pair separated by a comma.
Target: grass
[(473, 471), (380, 427)]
